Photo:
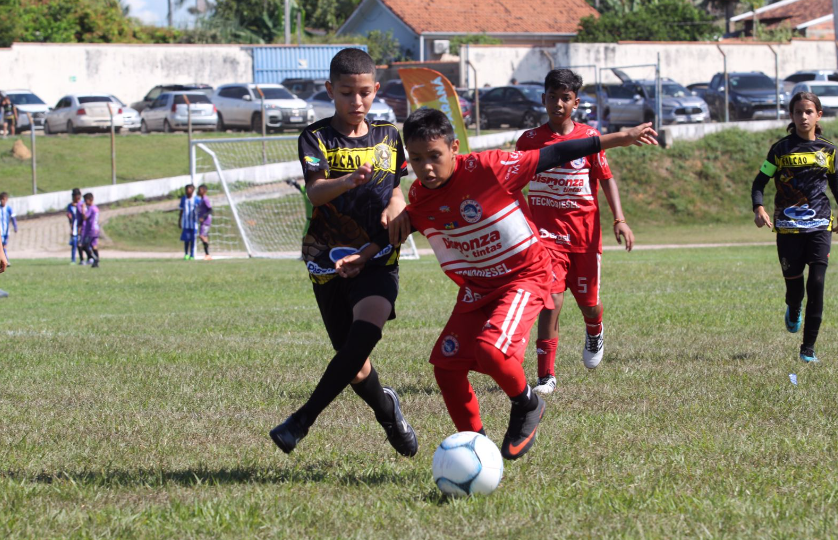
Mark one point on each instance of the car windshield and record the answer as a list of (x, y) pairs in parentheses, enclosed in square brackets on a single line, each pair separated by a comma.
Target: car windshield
[(276, 93), (673, 90), (94, 99), (824, 90), (751, 82), (117, 101), (531, 93), (25, 99), (193, 98)]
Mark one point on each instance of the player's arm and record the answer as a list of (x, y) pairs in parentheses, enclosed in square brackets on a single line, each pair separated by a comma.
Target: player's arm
[(395, 219), (766, 172), (621, 228), (556, 154), (321, 190), (14, 221), (4, 262)]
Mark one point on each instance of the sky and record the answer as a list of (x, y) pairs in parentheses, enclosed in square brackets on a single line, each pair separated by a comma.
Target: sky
[(154, 12)]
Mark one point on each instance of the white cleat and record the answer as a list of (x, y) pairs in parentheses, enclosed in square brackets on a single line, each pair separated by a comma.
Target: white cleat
[(592, 352), (545, 386)]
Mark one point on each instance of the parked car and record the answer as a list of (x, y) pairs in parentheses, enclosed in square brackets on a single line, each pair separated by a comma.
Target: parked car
[(392, 92), (827, 92), (698, 89), (169, 112), (809, 75), (751, 94), (83, 112), (324, 106), (155, 92), (130, 117), (304, 88), (635, 102), (27, 102), (586, 112), (518, 106), (239, 105)]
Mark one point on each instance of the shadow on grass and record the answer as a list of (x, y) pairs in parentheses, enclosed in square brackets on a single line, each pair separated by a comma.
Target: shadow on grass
[(324, 472)]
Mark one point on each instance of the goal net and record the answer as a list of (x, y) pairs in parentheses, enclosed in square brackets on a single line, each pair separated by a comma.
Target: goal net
[(257, 191)]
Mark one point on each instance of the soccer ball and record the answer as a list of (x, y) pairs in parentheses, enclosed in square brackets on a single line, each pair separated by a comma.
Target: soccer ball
[(467, 463)]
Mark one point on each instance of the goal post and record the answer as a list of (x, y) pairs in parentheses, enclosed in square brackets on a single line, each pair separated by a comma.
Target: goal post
[(255, 184)]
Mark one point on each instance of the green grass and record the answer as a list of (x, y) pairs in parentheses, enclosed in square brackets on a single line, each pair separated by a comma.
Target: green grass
[(136, 402)]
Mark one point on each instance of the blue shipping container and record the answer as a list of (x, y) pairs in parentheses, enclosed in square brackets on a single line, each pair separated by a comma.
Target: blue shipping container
[(275, 64)]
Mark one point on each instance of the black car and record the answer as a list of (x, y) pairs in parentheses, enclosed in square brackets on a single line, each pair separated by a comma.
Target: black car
[(752, 95), (304, 88), (518, 106), (155, 92)]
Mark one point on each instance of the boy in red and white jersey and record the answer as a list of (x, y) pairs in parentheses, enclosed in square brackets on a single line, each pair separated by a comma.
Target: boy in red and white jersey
[(564, 207), (470, 209)]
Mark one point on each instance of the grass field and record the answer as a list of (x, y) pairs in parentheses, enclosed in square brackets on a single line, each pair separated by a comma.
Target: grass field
[(136, 402)]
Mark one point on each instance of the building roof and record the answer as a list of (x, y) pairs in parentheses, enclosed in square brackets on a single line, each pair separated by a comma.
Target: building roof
[(491, 16), (797, 13)]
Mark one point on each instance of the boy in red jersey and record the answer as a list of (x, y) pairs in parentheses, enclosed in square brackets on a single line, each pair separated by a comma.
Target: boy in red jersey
[(471, 210), (563, 204)]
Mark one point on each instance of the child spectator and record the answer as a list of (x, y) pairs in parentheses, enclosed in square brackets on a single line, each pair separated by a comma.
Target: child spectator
[(75, 216), (9, 112), (90, 230), (188, 220), (7, 218), (204, 219)]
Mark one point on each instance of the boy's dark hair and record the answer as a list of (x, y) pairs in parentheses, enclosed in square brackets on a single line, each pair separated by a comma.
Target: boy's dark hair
[(428, 124), (562, 79), (88, 196), (76, 191), (4, 195), (351, 62), (203, 186), (187, 186), (804, 96)]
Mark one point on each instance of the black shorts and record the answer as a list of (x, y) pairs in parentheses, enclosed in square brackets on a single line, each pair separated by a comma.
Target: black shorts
[(798, 250), (338, 296)]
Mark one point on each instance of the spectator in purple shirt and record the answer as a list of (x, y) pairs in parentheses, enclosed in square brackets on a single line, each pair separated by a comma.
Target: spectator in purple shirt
[(90, 230), (204, 219)]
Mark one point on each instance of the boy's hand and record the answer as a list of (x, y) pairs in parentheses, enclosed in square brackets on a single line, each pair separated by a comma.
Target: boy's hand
[(622, 229), (761, 218), (640, 135), (351, 265), (362, 175), (396, 220), (3, 261)]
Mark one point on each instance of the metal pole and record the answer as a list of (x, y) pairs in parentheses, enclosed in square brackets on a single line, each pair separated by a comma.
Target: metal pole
[(658, 93), (776, 80), (32, 139), (600, 110), (113, 147), (192, 165), (476, 99), (287, 22), (727, 95), (299, 28), (264, 126), (835, 23), (188, 121)]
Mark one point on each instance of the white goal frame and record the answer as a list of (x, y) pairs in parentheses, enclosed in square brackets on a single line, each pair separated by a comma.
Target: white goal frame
[(290, 172)]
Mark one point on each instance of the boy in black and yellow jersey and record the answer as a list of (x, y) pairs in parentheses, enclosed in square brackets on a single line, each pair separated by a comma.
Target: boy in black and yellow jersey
[(802, 164), (353, 169)]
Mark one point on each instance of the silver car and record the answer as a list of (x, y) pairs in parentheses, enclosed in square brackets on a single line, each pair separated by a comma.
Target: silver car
[(83, 112), (27, 102), (130, 117), (635, 102), (827, 92), (169, 112), (324, 107), (240, 106)]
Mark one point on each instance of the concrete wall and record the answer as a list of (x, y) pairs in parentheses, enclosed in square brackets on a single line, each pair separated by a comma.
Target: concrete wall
[(127, 71), (693, 132), (497, 64)]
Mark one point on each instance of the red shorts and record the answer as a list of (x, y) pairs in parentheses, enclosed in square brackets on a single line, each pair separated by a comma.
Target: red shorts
[(578, 272), (504, 324)]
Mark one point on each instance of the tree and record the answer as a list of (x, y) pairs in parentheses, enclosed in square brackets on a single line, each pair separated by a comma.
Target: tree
[(328, 15), (650, 20), (383, 48), (10, 22)]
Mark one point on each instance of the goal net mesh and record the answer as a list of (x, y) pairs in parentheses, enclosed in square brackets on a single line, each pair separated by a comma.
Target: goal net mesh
[(258, 196)]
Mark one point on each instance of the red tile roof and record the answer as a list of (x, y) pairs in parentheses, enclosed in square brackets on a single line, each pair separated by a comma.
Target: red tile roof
[(492, 16), (794, 13)]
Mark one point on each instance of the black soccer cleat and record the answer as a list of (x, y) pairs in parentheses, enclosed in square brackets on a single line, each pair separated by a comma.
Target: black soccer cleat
[(287, 434), (399, 432), (520, 435)]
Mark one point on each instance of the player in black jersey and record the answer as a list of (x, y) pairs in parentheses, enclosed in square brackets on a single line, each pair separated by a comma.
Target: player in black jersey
[(802, 164), (352, 169)]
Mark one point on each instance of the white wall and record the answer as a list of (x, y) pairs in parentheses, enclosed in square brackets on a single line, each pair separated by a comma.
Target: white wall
[(53, 70), (686, 63)]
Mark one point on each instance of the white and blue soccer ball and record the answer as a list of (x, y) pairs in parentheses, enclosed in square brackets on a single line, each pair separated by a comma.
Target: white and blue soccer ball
[(467, 463)]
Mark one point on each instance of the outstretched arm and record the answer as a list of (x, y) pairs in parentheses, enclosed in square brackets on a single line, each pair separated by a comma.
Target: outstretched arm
[(556, 154)]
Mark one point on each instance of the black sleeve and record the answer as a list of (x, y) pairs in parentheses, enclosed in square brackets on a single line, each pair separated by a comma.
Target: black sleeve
[(556, 154), (401, 161), (757, 189), (311, 155)]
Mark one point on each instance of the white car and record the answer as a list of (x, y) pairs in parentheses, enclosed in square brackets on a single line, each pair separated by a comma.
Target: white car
[(827, 92), (240, 105), (169, 112), (324, 106), (83, 112), (130, 117), (27, 102)]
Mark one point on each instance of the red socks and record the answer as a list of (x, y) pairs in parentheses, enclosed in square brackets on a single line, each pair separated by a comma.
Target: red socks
[(594, 326), (459, 398), (546, 349)]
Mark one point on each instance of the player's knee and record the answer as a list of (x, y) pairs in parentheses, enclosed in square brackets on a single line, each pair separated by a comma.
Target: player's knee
[(487, 355), (591, 311)]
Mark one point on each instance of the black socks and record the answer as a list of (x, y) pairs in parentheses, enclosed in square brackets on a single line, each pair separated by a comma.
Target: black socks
[(345, 365), (526, 400), (794, 294), (206, 247), (371, 391), (814, 304)]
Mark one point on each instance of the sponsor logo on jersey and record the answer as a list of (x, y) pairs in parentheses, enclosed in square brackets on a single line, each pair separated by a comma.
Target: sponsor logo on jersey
[(311, 160), (475, 244), (444, 208), (382, 155), (471, 210), (820, 158), (813, 224), (412, 193), (470, 297), (562, 239), (800, 212), (578, 163), (531, 134), (317, 270), (450, 345), (471, 163), (452, 225), (338, 253)]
